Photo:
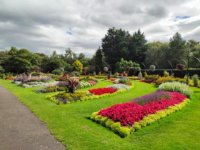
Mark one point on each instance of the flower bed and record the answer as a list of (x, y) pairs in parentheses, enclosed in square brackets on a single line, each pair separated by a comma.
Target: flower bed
[(128, 117), (101, 91), (84, 84), (95, 94)]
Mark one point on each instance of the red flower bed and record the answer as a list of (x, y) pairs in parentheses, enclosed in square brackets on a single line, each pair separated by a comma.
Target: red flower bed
[(101, 91), (128, 113)]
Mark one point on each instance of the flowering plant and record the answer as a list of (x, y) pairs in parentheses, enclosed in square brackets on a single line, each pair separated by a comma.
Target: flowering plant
[(129, 113), (100, 91)]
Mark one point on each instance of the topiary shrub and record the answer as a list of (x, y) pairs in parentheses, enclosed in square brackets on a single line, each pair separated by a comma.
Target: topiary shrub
[(165, 73), (140, 75), (195, 80)]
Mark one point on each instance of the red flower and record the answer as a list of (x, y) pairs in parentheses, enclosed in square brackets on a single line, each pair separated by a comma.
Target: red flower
[(128, 113), (101, 91)]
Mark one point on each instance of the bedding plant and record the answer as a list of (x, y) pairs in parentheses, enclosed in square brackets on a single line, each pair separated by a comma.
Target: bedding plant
[(131, 116), (69, 96)]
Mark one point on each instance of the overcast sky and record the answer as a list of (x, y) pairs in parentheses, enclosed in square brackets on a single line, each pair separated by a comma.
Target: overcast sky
[(47, 25)]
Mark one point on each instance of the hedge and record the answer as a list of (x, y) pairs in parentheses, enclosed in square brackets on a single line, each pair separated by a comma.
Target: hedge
[(177, 73)]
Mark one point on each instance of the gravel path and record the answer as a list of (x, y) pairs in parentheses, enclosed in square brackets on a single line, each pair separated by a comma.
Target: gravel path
[(20, 129)]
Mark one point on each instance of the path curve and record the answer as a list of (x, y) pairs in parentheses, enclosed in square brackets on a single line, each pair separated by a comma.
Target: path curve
[(20, 129)]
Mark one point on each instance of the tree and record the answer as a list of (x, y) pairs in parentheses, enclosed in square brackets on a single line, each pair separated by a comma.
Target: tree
[(83, 59), (137, 47), (69, 56), (21, 58), (54, 62), (100, 62), (155, 54), (177, 50), (78, 66), (193, 48), (115, 46)]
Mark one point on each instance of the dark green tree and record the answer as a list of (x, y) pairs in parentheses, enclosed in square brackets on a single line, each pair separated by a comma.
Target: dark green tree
[(100, 62), (115, 46), (177, 51), (137, 47)]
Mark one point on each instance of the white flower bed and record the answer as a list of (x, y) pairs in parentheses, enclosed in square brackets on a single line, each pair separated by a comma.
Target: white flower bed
[(120, 86)]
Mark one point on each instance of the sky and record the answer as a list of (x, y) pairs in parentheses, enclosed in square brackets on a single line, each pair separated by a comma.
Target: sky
[(48, 25)]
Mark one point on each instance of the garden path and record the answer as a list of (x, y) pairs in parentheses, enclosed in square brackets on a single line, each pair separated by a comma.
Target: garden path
[(20, 129)]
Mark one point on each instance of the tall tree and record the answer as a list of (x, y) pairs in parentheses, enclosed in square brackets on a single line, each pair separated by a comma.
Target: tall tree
[(177, 50), (155, 55), (100, 62), (137, 47), (115, 46), (69, 56)]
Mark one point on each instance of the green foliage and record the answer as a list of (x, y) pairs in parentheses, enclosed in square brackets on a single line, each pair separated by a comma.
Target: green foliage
[(195, 80), (124, 65), (57, 72), (176, 86), (70, 97), (100, 61), (165, 73), (152, 67), (2, 70), (124, 131), (72, 85), (78, 66)]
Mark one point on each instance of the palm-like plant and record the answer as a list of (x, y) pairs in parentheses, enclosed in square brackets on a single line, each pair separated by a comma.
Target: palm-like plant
[(72, 85)]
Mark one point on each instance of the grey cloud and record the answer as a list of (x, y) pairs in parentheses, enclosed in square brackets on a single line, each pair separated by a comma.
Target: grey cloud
[(42, 26)]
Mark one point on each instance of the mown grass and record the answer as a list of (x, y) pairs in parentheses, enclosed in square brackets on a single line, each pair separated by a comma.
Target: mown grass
[(70, 124)]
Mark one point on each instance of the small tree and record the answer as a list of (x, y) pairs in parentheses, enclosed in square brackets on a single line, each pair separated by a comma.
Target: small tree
[(78, 66), (72, 85)]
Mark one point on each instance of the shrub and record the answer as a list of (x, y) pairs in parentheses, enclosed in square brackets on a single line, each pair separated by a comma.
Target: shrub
[(78, 66), (57, 72), (151, 78), (72, 85), (163, 80), (140, 75), (165, 73), (70, 97), (50, 89), (152, 67), (2, 76), (124, 80), (195, 80), (175, 86)]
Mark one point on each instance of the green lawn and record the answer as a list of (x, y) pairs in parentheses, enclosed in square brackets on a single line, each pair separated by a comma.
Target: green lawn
[(70, 124)]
